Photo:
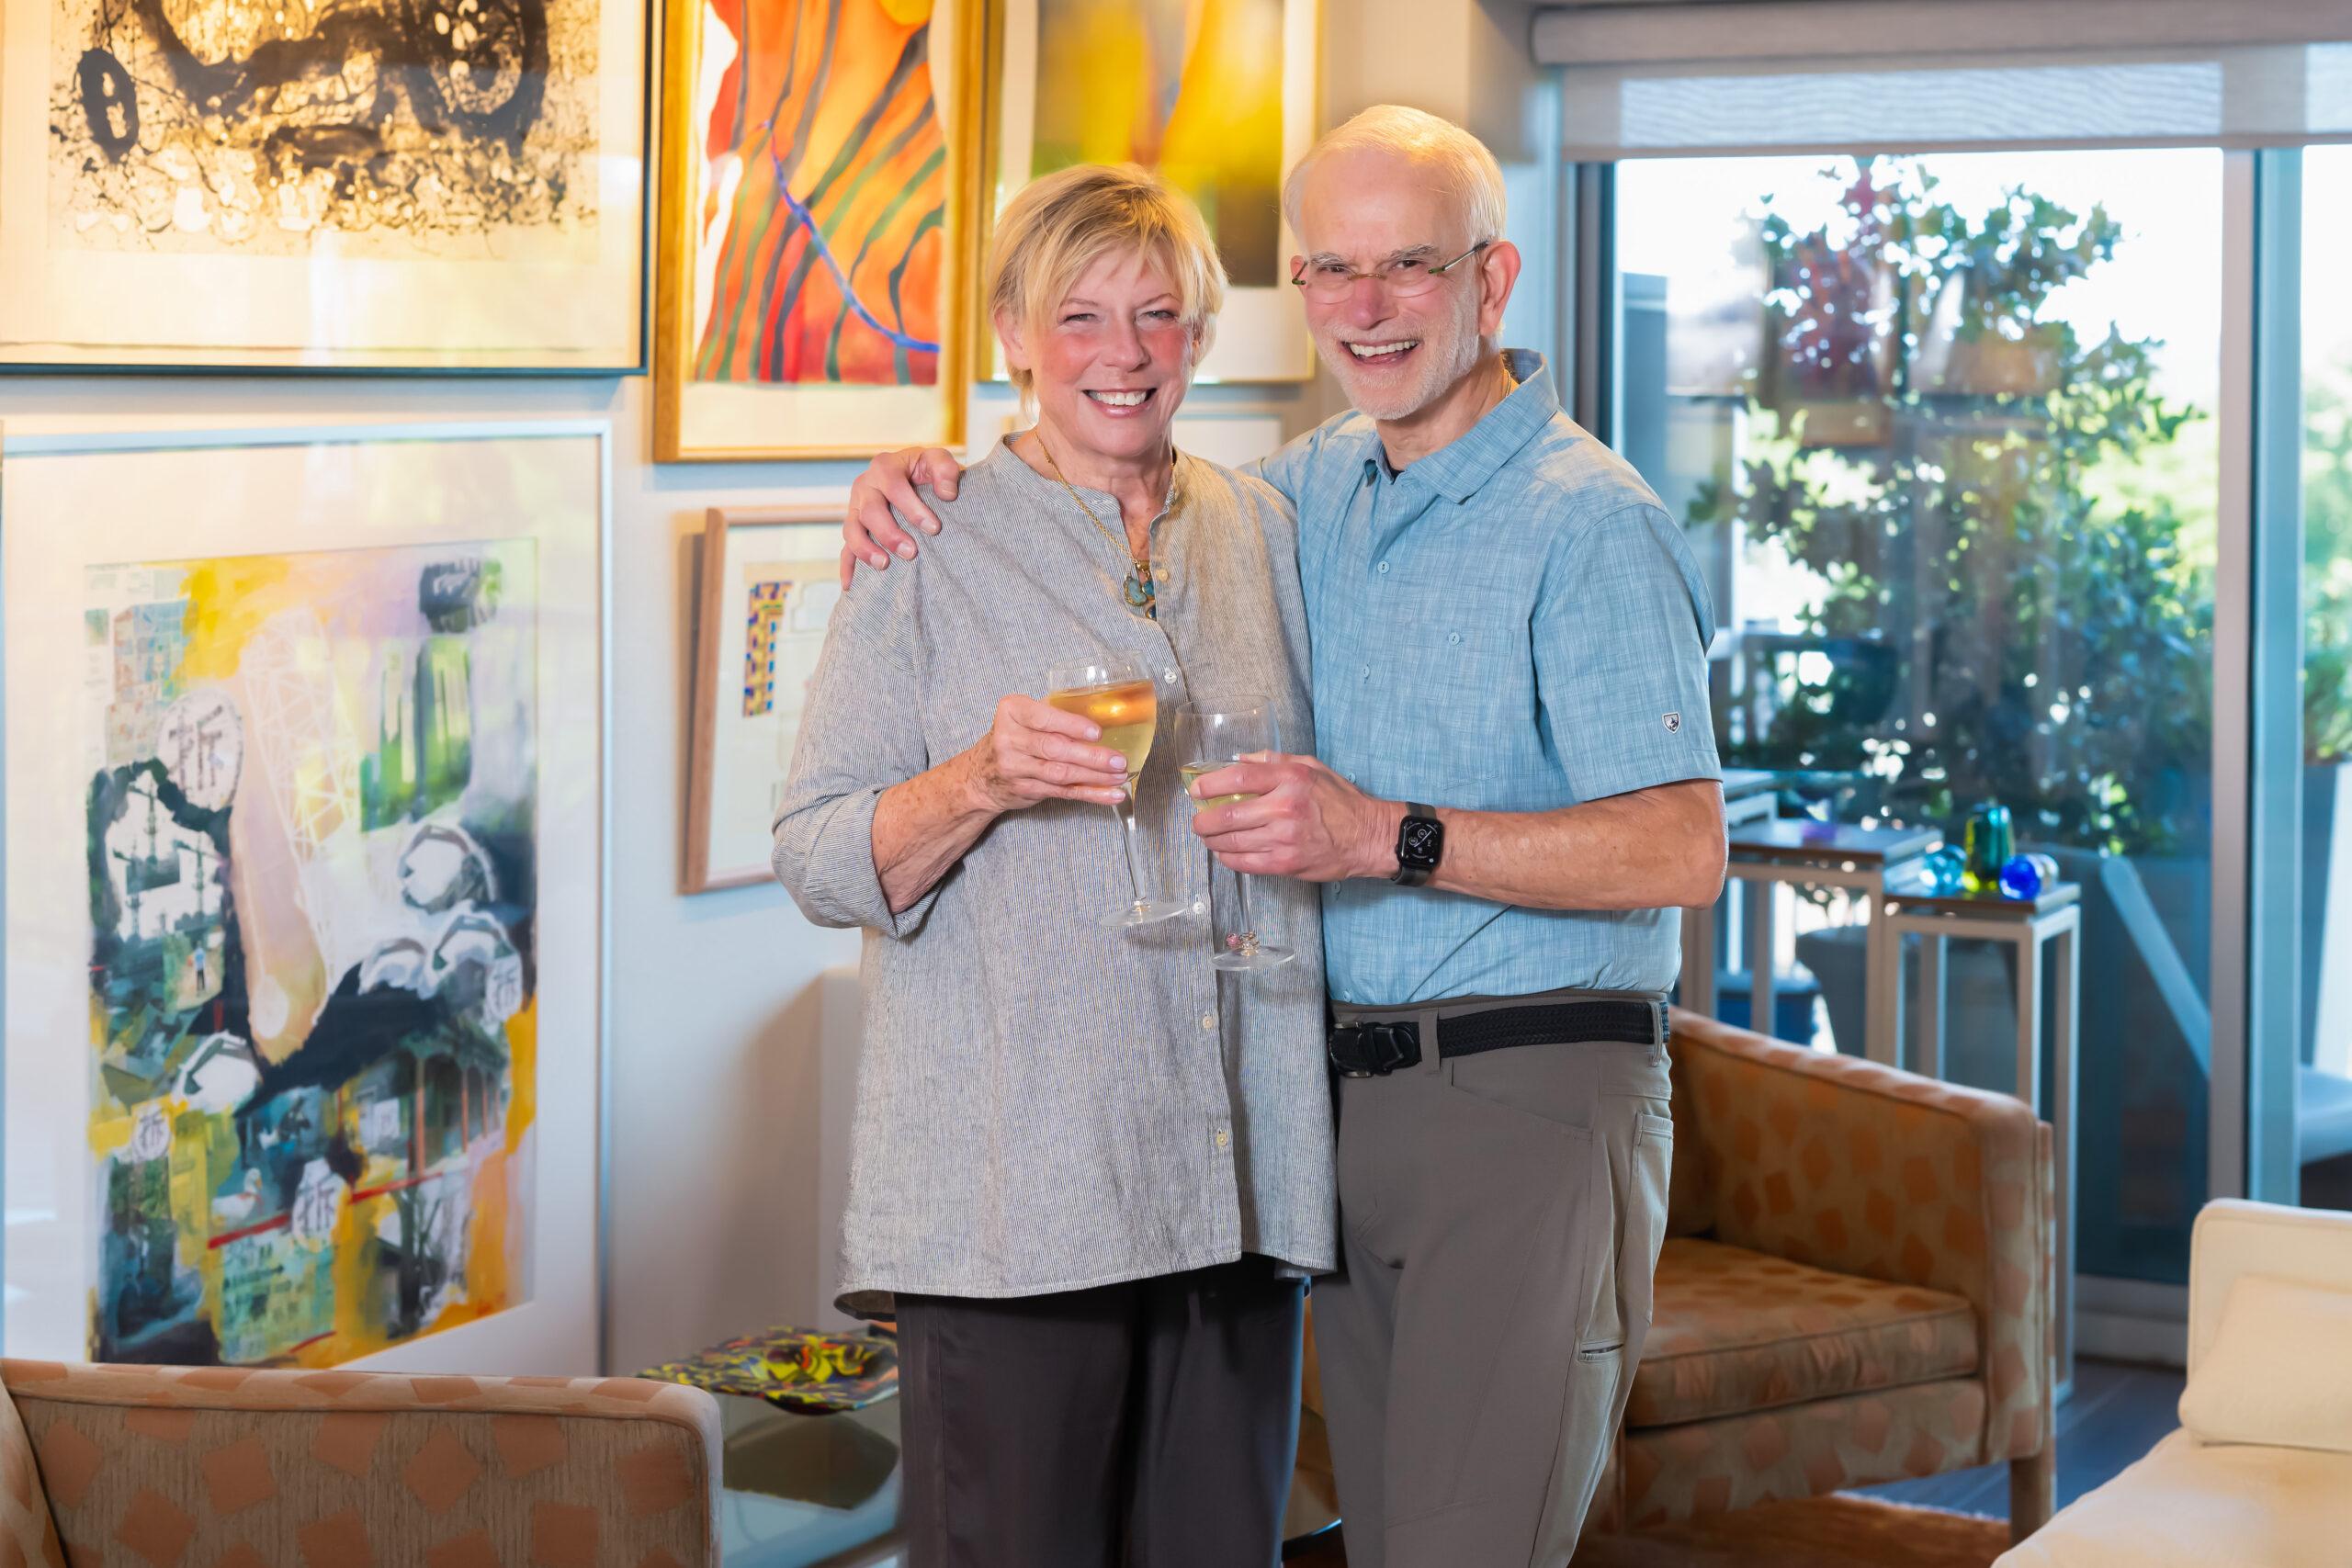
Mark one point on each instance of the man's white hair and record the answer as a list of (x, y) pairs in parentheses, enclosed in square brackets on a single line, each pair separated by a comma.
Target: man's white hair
[(1458, 159)]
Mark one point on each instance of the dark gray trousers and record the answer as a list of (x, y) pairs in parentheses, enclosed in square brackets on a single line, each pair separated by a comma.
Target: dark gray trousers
[(1500, 1218), (1148, 1425)]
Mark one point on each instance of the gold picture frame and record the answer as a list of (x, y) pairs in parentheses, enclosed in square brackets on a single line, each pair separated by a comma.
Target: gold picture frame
[(734, 768), (706, 419)]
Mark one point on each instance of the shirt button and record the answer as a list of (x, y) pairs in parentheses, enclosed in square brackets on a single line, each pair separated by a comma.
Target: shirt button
[(1453, 637), (1384, 566), (1367, 672), (1208, 1020), (1200, 905), (1222, 1137)]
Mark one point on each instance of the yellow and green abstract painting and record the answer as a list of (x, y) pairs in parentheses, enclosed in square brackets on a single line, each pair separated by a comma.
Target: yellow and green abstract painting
[(313, 873), (1193, 88)]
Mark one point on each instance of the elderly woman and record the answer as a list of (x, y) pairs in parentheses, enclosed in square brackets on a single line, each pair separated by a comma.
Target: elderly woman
[(1090, 1184)]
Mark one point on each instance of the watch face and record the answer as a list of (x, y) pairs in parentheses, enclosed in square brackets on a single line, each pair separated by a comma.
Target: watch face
[(1419, 840)]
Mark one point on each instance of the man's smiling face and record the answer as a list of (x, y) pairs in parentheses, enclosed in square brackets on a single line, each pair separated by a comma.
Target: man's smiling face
[(1361, 209)]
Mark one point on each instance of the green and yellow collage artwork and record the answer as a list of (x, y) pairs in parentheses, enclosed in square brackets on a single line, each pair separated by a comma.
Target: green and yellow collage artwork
[(311, 869)]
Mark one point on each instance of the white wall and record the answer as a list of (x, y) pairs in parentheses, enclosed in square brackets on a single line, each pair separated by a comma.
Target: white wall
[(715, 1170)]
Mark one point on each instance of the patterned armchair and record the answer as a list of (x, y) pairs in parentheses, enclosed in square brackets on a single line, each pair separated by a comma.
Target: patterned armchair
[(220, 1466), (1855, 1288)]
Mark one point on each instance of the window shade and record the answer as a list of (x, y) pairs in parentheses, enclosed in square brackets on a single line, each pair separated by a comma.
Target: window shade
[(1931, 94)]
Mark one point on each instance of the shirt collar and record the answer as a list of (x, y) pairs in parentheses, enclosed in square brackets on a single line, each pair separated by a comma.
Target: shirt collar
[(1460, 467)]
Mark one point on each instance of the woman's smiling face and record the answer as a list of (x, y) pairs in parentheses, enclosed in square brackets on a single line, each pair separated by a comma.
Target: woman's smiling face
[(1112, 360)]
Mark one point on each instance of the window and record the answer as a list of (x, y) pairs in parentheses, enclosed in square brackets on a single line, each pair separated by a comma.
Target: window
[(1943, 430), (2323, 1079)]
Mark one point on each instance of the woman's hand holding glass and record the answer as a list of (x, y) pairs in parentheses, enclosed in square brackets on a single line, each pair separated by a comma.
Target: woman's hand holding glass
[(1034, 751)]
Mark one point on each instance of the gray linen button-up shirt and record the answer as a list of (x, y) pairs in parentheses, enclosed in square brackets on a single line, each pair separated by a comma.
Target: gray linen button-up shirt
[(1044, 1105)]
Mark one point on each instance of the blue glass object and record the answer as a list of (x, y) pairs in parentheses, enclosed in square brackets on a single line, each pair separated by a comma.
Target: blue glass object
[(1945, 869), (2021, 878)]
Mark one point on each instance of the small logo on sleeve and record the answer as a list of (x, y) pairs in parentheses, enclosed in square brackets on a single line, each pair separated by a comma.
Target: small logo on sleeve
[(1673, 723)]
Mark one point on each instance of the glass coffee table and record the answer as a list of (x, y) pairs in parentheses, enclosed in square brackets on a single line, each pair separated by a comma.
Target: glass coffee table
[(822, 1492), (807, 1491)]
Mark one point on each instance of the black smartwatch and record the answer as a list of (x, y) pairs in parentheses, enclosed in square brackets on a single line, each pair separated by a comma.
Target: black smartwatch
[(1420, 842)]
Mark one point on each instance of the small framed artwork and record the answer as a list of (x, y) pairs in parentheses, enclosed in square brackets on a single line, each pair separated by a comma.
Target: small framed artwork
[(818, 174), (1221, 99), (364, 186), (770, 579), (305, 823)]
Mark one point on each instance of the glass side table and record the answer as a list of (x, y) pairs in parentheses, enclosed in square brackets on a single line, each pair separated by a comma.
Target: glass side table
[(807, 1491), (2028, 925)]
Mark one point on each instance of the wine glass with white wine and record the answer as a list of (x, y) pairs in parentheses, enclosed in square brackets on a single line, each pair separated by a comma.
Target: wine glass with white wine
[(1213, 735), (1112, 690)]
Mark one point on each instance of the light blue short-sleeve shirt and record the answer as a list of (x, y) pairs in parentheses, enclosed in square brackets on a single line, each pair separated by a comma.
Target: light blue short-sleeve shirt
[(1512, 622)]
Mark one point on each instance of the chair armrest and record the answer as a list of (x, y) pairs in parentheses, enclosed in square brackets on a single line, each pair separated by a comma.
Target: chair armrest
[(1863, 1169), (343, 1465), (2235, 1237)]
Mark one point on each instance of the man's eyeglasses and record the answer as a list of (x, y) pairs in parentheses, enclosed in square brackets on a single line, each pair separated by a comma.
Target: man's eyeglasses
[(1402, 278)]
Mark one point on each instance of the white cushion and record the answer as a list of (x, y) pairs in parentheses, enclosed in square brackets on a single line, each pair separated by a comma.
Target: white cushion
[(2278, 1370), (2192, 1505)]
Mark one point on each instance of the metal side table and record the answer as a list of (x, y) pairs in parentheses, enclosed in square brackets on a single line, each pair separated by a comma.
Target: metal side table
[(1823, 855), (1749, 795), (2028, 925)]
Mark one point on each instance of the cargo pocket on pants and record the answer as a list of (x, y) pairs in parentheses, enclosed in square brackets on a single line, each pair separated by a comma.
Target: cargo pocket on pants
[(1601, 1379)]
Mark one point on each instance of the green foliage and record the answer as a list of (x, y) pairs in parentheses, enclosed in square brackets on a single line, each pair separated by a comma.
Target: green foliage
[(1923, 438), (2327, 574)]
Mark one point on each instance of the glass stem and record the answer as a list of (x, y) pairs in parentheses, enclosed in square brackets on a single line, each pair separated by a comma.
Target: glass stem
[(1245, 930), (1125, 812)]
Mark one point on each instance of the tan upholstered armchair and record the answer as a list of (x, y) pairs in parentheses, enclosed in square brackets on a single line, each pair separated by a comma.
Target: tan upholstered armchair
[(1855, 1288), (249, 1468)]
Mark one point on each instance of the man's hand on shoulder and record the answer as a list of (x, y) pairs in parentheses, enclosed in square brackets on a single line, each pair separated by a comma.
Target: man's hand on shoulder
[(1304, 821), (870, 531)]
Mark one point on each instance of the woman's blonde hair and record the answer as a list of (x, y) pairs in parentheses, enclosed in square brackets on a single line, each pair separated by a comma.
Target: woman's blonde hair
[(1060, 225)]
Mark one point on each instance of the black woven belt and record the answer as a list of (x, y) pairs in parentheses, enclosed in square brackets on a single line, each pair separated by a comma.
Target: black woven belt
[(1375, 1050)]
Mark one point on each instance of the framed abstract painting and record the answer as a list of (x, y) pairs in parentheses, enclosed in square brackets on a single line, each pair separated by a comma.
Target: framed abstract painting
[(770, 579), (369, 185), (818, 165), (305, 829), (1219, 95)]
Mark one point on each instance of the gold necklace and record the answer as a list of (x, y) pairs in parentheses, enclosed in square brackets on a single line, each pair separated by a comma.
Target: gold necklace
[(1139, 592)]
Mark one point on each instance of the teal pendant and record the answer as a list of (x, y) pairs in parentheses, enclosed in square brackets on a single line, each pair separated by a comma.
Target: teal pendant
[(1141, 596)]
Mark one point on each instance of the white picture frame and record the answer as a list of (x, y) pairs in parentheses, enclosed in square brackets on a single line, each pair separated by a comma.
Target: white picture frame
[(1262, 336), (353, 507)]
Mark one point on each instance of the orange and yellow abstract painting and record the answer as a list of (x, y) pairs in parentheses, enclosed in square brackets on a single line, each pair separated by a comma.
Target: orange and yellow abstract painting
[(822, 233), (1193, 88), (313, 1007)]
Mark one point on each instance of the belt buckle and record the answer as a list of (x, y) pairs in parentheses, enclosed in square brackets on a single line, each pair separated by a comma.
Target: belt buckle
[(1375, 1050)]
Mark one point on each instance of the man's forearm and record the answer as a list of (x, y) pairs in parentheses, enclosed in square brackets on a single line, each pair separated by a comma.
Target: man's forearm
[(1660, 848)]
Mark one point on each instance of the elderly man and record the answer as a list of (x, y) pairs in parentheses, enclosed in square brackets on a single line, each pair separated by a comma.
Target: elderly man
[(1516, 791)]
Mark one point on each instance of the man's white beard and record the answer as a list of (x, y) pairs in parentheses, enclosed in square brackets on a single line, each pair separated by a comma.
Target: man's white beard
[(1431, 381)]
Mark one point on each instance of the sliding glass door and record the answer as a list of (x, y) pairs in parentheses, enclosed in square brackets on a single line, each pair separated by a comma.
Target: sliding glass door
[(1944, 430), (2323, 1109)]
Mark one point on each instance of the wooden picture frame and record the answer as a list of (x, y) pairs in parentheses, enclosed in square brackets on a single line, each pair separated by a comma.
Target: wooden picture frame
[(764, 407), (772, 565)]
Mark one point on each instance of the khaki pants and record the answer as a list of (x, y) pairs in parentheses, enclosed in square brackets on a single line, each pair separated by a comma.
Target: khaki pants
[(1500, 1218)]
